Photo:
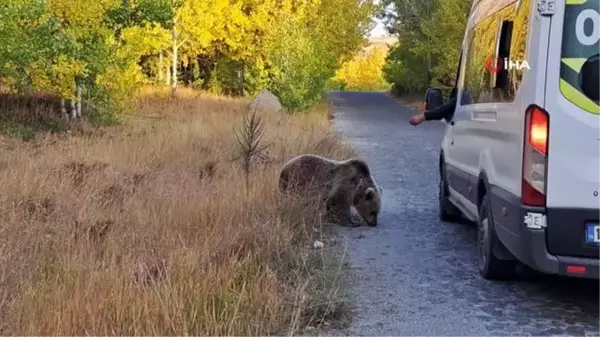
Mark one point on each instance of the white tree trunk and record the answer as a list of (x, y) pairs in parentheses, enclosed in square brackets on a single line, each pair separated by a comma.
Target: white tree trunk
[(73, 111), (63, 110), (161, 67), (243, 75), (79, 101), (174, 66)]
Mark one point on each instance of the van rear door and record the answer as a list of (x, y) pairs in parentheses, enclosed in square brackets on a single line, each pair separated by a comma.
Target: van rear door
[(572, 174)]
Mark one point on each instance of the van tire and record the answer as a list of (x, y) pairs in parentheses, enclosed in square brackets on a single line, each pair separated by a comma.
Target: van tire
[(490, 266), (447, 211)]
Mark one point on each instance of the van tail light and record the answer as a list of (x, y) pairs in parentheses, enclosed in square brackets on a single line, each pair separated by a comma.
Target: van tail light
[(535, 156)]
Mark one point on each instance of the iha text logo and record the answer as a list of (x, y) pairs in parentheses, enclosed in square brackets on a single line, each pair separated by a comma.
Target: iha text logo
[(494, 64)]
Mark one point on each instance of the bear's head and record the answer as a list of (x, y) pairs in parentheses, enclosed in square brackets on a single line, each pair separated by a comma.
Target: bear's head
[(367, 203)]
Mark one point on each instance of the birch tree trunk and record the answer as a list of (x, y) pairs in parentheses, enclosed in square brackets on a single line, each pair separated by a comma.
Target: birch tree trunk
[(174, 70), (73, 110), (242, 76), (168, 77), (160, 67), (63, 110), (79, 114)]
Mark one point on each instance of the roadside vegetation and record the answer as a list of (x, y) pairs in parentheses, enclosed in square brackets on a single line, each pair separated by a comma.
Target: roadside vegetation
[(148, 228), (429, 33), (92, 56), (364, 72), (139, 192)]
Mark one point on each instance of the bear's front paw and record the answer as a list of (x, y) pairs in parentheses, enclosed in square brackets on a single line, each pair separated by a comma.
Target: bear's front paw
[(353, 222), (357, 219)]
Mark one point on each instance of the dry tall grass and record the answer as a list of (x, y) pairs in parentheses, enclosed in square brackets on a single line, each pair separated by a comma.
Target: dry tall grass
[(146, 229)]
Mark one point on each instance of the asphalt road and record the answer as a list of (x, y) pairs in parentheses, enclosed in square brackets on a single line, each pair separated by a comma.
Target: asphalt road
[(414, 275)]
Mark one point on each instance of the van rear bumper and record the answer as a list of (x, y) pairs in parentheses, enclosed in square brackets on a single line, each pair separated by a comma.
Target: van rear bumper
[(530, 245), (534, 253)]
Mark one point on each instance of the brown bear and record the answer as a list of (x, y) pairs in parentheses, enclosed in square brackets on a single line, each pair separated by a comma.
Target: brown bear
[(339, 184)]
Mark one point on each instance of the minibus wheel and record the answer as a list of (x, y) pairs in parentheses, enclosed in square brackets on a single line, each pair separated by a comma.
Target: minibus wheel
[(490, 266)]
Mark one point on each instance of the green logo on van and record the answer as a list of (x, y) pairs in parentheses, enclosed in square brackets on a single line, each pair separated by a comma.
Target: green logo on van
[(579, 55)]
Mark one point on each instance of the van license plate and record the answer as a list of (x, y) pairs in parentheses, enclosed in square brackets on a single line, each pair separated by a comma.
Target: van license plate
[(593, 234)]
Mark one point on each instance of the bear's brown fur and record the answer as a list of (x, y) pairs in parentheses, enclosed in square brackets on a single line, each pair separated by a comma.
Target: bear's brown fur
[(339, 184)]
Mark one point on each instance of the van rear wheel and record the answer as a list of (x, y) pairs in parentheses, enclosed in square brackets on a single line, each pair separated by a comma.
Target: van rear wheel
[(490, 266)]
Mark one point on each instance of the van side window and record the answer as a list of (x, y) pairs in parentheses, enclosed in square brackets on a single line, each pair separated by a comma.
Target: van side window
[(500, 77), (495, 60)]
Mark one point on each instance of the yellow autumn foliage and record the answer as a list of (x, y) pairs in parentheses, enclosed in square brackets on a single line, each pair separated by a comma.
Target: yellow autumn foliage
[(364, 71), (101, 51), (59, 78)]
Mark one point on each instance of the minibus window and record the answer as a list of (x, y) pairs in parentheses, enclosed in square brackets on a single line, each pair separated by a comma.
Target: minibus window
[(504, 39), (495, 61)]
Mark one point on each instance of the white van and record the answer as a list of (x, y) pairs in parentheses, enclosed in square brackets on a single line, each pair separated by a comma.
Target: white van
[(521, 154)]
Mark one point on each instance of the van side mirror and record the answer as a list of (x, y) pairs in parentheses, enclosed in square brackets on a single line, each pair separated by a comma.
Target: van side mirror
[(433, 98)]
